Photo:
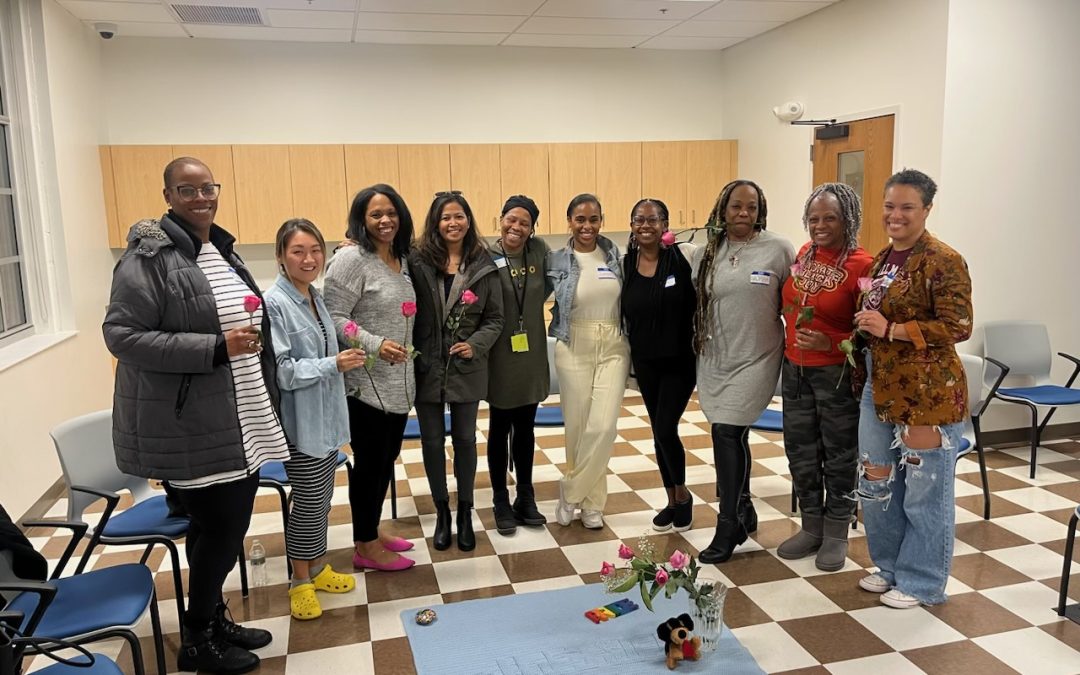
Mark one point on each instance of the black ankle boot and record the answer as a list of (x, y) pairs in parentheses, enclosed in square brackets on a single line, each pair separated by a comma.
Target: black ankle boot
[(235, 634), (747, 513), (525, 507), (441, 540), (466, 540), (729, 534), (202, 651), (505, 522)]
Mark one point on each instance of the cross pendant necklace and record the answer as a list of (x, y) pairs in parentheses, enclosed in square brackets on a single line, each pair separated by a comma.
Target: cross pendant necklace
[(734, 259)]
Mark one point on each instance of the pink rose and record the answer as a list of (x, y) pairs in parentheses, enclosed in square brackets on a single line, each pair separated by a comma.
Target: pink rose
[(351, 330), (796, 269), (252, 303), (606, 569), (679, 560), (661, 576), (668, 238), (865, 283), (468, 298), (625, 552), (408, 309)]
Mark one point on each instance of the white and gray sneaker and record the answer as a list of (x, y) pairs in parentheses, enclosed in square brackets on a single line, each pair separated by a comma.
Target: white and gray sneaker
[(875, 583), (594, 520), (899, 600), (564, 511)]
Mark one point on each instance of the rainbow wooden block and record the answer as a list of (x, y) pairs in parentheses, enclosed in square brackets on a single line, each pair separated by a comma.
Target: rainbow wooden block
[(612, 611)]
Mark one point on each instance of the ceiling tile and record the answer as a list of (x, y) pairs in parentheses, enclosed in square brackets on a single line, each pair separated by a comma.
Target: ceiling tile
[(90, 10), (554, 26), (427, 38), (623, 9), (292, 18), (321, 5), (702, 43), (584, 41), (505, 7), (268, 33), (439, 23), (145, 29), (743, 29), (743, 10)]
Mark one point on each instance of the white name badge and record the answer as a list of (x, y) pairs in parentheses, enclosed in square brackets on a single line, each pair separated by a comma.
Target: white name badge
[(605, 273), (500, 263), (763, 278), (670, 281)]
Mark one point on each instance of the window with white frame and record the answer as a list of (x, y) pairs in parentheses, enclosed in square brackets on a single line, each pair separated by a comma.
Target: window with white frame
[(14, 308)]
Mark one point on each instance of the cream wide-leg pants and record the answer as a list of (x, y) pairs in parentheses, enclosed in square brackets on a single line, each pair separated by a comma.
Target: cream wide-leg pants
[(592, 372)]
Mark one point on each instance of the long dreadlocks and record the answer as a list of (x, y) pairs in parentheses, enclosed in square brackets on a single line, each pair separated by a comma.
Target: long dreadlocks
[(850, 215), (717, 230)]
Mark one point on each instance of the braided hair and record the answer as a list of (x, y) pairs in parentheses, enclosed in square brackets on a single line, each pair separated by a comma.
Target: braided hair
[(850, 215), (717, 229)]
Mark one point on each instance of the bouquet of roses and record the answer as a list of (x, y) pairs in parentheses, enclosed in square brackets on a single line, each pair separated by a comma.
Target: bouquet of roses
[(652, 576)]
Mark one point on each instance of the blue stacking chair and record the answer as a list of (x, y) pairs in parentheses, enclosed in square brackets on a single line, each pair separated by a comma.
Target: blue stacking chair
[(970, 441), (84, 608), (1022, 348), (13, 643), (1071, 612), (550, 415)]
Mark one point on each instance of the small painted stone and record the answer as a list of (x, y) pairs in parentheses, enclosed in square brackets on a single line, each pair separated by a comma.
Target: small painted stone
[(425, 617)]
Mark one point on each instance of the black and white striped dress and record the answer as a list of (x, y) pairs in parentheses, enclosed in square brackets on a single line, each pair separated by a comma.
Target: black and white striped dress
[(264, 439)]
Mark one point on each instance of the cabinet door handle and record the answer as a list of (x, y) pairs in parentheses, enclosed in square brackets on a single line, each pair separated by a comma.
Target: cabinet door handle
[(693, 216), (682, 220)]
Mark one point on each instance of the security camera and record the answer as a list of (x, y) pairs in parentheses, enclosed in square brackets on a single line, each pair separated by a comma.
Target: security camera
[(105, 30), (789, 111)]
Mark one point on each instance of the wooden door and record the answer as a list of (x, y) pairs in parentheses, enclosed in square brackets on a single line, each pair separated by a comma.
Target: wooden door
[(217, 158), (710, 165), (618, 182), (571, 171), (663, 177), (864, 160), (474, 170), (318, 187), (117, 237), (524, 171), (264, 198), (424, 170), (137, 177)]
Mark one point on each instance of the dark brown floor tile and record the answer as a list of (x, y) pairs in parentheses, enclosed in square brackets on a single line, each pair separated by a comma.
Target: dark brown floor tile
[(149, 654), (1069, 467), (624, 449), (985, 535), (576, 533), (812, 670), (1063, 516), (1066, 631), (641, 480), (843, 589), (483, 548), (697, 442), (262, 603), (546, 442), (407, 527), (999, 507), (350, 625), (636, 434), (858, 550), (632, 400), (740, 610), (980, 571), (413, 582), (998, 481), (424, 505), (273, 543), (1073, 594), (754, 567), (975, 615), (273, 666), (694, 460), (416, 470), (704, 493), (111, 559), (624, 502), (956, 658), (478, 593), (533, 565), (393, 657), (757, 470), (766, 450), (546, 491), (267, 503), (781, 503), (996, 459), (1070, 491), (771, 533), (834, 637), (166, 589)]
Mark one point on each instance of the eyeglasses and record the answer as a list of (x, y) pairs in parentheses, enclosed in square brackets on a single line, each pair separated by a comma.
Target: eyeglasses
[(189, 192), (641, 220), (448, 193)]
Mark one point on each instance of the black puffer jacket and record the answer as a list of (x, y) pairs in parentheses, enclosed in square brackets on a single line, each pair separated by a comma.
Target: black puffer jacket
[(174, 406)]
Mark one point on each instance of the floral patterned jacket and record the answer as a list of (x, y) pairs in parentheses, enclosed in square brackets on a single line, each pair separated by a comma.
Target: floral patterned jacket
[(922, 382)]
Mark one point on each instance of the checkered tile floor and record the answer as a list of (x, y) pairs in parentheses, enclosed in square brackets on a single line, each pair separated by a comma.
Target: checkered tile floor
[(788, 614)]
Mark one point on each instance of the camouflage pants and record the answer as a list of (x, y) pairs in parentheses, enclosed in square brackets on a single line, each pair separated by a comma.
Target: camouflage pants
[(821, 437)]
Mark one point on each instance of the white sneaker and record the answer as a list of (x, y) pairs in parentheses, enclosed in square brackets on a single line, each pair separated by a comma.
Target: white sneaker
[(564, 513), (875, 583), (594, 520), (895, 598)]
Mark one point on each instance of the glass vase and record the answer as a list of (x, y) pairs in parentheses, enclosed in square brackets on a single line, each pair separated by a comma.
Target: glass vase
[(707, 611)]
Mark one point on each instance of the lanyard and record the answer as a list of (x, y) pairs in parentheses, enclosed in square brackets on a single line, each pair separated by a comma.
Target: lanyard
[(520, 297)]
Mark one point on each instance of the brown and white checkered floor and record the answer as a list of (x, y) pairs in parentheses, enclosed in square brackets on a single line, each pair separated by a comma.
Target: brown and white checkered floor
[(788, 614)]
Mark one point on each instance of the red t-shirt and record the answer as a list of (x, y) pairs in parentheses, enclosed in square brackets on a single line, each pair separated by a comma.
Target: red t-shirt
[(833, 293)]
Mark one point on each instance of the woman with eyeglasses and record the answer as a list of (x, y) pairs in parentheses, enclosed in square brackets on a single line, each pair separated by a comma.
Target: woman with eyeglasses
[(196, 397), (459, 317), (739, 341), (518, 374), (658, 301), (592, 358)]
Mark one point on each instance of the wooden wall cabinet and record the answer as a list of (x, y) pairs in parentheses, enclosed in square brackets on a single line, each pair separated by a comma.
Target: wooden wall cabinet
[(117, 239), (317, 174), (663, 177), (618, 182), (423, 171), (220, 160), (475, 171), (137, 178), (524, 171), (710, 165), (264, 196), (571, 171)]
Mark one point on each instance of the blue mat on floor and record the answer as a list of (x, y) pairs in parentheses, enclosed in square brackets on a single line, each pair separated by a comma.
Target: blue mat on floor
[(547, 632)]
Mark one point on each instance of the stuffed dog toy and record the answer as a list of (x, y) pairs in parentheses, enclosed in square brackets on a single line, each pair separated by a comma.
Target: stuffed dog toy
[(679, 642)]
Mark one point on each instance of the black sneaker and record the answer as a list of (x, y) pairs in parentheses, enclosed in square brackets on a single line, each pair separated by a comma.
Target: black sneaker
[(525, 510), (663, 520), (235, 634), (684, 515), (505, 523), (208, 654)]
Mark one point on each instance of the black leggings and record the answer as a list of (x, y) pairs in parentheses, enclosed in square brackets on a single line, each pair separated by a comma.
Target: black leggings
[(731, 452), (376, 443), (666, 385), (511, 430), (220, 515)]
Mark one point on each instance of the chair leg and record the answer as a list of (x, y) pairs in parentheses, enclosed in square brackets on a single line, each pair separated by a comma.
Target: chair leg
[(178, 585), (1034, 437), (393, 491), (155, 625), (136, 648), (1063, 597), (794, 499), (284, 523), (985, 482), (146, 553), (243, 572)]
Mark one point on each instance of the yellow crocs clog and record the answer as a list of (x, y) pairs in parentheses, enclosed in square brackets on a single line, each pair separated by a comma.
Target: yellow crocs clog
[(303, 603), (333, 582)]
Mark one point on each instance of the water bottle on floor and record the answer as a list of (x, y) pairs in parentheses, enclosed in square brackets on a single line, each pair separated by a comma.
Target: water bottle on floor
[(257, 558)]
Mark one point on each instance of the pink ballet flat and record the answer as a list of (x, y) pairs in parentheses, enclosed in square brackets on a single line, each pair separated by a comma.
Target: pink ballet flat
[(398, 545), (401, 563)]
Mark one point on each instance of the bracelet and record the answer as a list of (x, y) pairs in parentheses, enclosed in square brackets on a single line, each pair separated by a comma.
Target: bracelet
[(891, 330)]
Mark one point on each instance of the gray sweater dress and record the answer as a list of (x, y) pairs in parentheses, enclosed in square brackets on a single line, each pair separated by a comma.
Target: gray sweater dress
[(740, 364)]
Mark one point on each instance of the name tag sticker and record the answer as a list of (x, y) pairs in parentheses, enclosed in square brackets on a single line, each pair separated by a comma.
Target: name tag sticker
[(500, 263), (763, 278), (519, 342), (670, 281), (605, 273)]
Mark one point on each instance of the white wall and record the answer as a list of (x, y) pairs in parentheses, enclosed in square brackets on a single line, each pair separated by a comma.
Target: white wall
[(262, 92), (1011, 161), (73, 377)]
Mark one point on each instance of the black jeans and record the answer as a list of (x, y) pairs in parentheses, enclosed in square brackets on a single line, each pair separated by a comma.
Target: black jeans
[(220, 515), (375, 438), (511, 430), (731, 453), (433, 440), (666, 385), (821, 437)]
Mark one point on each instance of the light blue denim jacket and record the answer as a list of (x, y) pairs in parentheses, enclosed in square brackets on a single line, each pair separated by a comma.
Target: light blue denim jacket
[(313, 409), (563, 275)]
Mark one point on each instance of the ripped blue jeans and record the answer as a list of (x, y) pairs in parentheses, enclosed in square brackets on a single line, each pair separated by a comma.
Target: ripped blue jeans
[(909, 516)]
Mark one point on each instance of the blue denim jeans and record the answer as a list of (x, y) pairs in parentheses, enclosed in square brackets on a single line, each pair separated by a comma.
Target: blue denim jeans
[(909, 516)]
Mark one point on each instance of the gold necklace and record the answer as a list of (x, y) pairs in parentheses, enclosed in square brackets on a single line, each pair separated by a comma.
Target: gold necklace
[(734, 259)]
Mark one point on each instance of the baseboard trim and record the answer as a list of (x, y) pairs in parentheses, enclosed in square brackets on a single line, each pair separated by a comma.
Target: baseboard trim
[(1003, 437)]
